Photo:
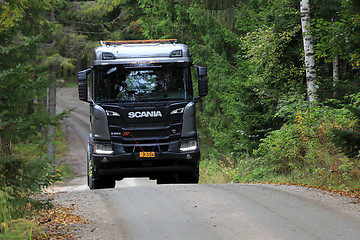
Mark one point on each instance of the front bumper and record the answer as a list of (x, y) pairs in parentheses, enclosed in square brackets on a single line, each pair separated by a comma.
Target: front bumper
[(132, 165)]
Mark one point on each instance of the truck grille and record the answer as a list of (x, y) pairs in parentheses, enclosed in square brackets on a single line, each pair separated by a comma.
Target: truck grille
[(147, 138)]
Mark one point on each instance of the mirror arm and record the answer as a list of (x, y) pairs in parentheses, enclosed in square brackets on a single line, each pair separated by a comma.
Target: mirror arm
[(196, 99)]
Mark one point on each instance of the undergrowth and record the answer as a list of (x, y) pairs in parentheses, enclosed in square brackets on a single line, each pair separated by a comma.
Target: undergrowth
[(22, 175), (304, 152)]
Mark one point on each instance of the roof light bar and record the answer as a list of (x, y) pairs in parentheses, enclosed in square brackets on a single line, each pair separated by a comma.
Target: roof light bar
[(105, 43)]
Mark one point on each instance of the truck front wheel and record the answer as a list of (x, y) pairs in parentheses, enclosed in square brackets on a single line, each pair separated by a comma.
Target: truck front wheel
[(191, 178), (97, 182), (101, 183)]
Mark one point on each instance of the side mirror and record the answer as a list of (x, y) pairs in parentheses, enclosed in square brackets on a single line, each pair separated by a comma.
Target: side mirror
[(203, 86), (202, 71), (82, 85), (82, 75), (203, 81)]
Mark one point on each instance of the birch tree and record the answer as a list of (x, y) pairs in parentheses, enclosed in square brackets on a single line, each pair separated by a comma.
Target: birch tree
[(308, 50)]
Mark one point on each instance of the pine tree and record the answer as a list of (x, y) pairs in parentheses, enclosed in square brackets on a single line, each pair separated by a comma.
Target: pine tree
[(23, 27)]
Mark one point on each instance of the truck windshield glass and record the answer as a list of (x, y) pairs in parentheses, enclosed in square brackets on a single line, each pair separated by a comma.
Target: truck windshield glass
[(121, 84)]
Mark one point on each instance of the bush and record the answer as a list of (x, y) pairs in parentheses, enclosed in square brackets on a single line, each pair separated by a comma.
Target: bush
[(19, 180), (303, 150), (349, 139)]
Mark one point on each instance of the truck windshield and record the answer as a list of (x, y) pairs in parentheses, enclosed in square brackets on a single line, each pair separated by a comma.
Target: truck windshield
[(118, 83)]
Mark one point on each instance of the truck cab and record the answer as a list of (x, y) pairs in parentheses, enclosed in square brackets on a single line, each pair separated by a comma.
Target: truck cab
[(142, 112)]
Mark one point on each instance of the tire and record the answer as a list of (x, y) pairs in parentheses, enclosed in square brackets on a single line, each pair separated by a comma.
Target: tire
[(187, 178), (97, 182), (190, 178)]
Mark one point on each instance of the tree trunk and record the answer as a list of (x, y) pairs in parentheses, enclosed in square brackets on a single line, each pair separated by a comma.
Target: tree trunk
[(52, 106), (52, 112), (44, 103), (309, 51), (335, 73)]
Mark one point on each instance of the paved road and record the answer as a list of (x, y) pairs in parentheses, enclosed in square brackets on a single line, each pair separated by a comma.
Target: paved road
[(141, 209)]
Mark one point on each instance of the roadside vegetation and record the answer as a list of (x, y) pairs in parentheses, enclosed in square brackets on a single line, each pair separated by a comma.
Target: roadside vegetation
[(22, 175), (256, 124), (319, 148)]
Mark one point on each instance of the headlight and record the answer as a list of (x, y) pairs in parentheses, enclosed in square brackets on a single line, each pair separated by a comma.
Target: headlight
[(188, 145), (176, 111), (112, 113), (100, 148)]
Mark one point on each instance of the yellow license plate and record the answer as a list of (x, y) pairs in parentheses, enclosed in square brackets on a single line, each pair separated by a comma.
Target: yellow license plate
[(147, 154)]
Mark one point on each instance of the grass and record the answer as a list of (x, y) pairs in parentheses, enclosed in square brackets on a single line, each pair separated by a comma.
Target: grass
[(61, 151), (27, 150), (220, 168), (66, 171), (61, 145), (341, 175), (215, 167)]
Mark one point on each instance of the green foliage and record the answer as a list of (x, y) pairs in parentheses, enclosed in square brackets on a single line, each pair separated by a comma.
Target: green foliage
[(100, 9), (337, 37), (13, 12), (21, 117), (23, 86), (20, 229), (21, 177), (25, 173), (265, 54), (332, 38), (19, 180), (303, 151), (66, 171), (103, 20), (349, 139)]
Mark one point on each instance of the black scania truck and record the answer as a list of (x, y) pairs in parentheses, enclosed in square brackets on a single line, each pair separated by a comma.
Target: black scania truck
[(142, 112)]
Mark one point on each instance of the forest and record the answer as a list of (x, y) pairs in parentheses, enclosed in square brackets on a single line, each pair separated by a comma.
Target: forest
[(260, 122)]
